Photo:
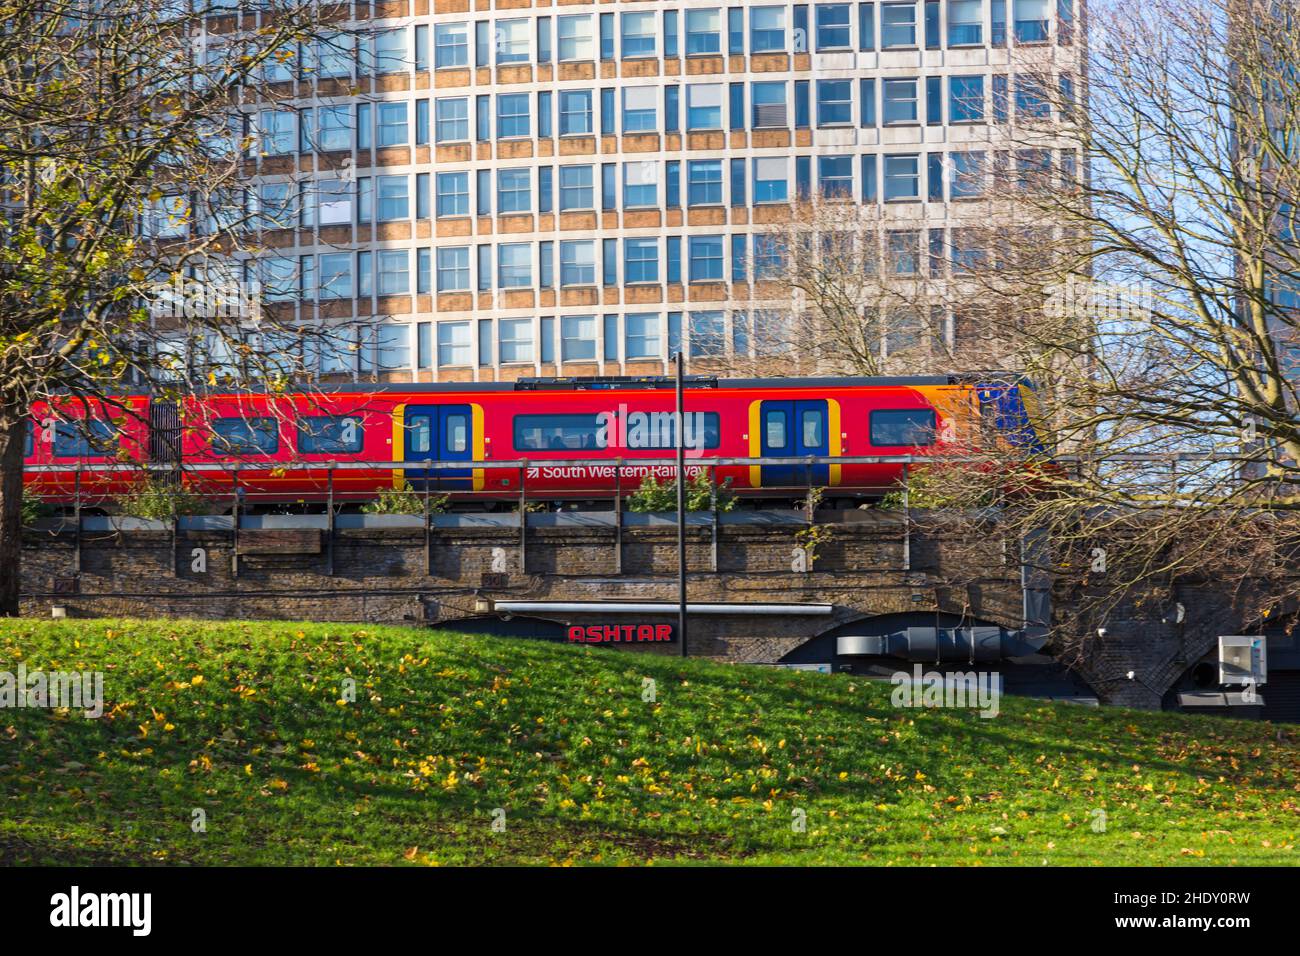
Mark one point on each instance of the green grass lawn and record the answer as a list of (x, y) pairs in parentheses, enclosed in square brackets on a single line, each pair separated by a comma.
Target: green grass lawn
[(245, 722)]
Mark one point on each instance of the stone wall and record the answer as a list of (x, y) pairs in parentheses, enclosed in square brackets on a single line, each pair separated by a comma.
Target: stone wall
[(870, 566)]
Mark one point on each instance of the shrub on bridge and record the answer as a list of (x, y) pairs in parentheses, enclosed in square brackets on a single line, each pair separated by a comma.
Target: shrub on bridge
[(654, 495)]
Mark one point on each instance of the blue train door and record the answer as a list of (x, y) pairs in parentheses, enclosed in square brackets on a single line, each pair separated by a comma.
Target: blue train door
[(438, 433), (793, 429)]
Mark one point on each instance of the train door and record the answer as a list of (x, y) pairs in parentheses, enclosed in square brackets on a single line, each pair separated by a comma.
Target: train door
[(794, 429), (438, 433)]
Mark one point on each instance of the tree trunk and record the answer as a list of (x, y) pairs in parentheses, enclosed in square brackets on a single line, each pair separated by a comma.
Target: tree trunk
[(13, 438)]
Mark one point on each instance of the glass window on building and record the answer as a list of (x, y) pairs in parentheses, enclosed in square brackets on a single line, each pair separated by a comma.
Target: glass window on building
[(515, 265), (392, 347), (705, 258), (516, 340), (331, 200), (641, 260), (704, 106), (450, 45), (703, 32), (768, 103), (1031, 97), (766, 29), (833, 26), (769, 257), (335, 273), (575, 112), (967, 174), (337, 349), (394, 271), (578, 338), (451, 120), (455, 344), (708, 334), (639, 106), (577, 190), (391, 54), (965, 99), (392, 194), (834, 102), (643, 335), (453, 269), (279, 277), (453, 194), (704, 182), (574, 38), (577, 262), (900, 101), (898, 25), (512, 40), (641, 184), (333, 128), (513, 115), (835, 177), (334, 54), (1030, 20), (965, 22), (902, 177), (392, 124), (771, 179), (275, 206), (278, 131), (639, 34), (514, 192), (903, 252)]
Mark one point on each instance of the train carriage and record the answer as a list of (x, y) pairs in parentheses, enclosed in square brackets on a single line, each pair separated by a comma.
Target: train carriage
[(571, 438)]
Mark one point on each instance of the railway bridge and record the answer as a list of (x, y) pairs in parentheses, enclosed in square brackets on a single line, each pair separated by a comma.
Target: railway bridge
[(870, 590)]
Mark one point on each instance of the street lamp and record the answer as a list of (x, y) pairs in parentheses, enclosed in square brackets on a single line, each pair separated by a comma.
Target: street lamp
[(681, 504)]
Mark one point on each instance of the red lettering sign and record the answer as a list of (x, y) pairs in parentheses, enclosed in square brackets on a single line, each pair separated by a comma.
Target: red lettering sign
[(620, 633)]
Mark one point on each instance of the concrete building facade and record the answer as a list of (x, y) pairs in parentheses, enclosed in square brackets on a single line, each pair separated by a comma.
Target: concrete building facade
[(478, 190)]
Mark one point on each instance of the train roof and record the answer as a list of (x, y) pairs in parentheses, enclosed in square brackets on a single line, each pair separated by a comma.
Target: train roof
[(630, 383), (633, 383)]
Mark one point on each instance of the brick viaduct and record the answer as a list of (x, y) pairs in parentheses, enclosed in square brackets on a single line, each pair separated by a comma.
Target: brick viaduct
[(877, 566)]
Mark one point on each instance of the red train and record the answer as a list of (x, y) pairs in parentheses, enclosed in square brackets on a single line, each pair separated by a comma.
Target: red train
[(568, 433)]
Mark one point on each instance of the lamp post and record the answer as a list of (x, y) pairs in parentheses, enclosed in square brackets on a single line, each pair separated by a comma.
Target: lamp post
[(681, 504)]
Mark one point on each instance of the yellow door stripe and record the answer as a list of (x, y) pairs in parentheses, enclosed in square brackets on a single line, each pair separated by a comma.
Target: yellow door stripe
[(836, 444), (476, 418), (755, 443), (399, 445)]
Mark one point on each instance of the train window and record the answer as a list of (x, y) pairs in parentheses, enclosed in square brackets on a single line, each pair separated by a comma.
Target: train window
[(457, 433), (903, 426), (639, 430), (245, 436), (774, 423), (541, 432), (84, 439), (813, 421), (417, 433), (29, 439), (712, 429), (321, 434)]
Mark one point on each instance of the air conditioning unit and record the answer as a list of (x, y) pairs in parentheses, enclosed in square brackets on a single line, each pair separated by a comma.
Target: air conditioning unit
[(1243, 659)]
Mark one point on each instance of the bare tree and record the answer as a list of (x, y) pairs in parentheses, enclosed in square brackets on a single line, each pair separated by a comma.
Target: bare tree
[(1155, 285), (129, 254)]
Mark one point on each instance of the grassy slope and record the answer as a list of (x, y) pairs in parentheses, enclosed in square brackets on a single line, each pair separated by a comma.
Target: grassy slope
[(446, 728)]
